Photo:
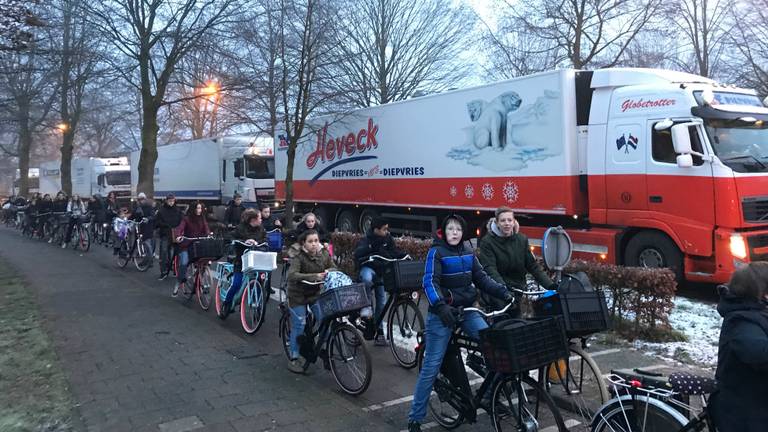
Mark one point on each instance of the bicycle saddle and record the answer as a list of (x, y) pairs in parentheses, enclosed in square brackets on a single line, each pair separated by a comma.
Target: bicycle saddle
[(691, 385)]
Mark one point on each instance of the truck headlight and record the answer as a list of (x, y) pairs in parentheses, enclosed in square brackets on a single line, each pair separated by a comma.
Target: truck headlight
[(738, 246)]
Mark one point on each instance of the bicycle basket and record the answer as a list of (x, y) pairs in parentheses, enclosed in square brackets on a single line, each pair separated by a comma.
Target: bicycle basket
[(259, 261), (583, 313), (404, 276), (343, 300), (275, 241), (206, 249), (514, 345)]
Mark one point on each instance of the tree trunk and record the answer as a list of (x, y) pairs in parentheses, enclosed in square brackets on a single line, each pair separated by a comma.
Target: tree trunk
[(25, 144), (291, 154), (68, 138), (148, 156)]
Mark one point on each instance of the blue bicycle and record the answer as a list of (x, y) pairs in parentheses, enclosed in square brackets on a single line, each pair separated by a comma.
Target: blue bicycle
[(254, 290)]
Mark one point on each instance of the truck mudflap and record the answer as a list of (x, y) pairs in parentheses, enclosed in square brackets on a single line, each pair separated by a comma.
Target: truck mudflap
[(597, 244)]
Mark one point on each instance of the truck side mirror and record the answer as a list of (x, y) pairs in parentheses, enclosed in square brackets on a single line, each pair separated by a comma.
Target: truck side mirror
[(684, 161), (681, 139)]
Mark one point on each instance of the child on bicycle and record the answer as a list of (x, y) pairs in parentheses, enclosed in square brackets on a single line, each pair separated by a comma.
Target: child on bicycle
[(120, 229), (193, 225), (738, 404), (451, 273), (251, 232), (310, 264)]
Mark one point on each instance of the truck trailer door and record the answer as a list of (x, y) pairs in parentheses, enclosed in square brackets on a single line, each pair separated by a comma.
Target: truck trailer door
[(681, 198)]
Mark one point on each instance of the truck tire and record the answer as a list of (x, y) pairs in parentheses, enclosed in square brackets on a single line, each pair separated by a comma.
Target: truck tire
[(652, 249), (366, 219), (347, 221), (323, 215)]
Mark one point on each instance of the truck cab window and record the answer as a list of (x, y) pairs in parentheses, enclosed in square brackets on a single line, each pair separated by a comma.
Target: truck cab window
[(664, 151), (259, 167)]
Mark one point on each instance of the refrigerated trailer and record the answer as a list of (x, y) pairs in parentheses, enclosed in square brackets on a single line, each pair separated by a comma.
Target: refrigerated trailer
[(644, 167)]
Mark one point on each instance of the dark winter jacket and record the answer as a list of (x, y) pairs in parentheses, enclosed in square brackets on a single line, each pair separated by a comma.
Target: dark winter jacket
[(45, 206), (269, 223), (167, 218), (98, 210), (232, 213), (243, 232), (306, 267), (141, 211), (452, 273), (373, 244), (192, 226), (509, 259), (300, 228), (739, 404), (60, 205)]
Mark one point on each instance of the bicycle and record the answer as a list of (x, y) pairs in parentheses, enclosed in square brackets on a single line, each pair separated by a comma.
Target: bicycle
[(336, 341), (199, 272), (80, 237), (404, 319), (132, 247), (517, 401), (253, 293), (646, 404)]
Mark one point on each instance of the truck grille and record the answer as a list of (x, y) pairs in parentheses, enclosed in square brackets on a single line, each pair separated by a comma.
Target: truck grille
[(758, 247), (755, 209)]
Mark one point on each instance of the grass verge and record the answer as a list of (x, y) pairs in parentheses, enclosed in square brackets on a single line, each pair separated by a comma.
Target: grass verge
[(34, 393)]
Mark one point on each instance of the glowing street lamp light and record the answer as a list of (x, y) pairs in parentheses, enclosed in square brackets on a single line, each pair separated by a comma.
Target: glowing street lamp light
[(63, 127)]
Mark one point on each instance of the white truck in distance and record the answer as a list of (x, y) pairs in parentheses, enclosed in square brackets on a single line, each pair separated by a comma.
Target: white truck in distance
[(644, 167), (33, 180), (90, 176), (213, 170)]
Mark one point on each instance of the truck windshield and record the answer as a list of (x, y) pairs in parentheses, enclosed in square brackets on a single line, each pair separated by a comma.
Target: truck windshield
[(743, 146), (118, 178), (260, 167)]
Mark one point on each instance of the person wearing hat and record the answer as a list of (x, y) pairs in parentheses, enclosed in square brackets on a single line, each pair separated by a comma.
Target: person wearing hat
[(145, 209), (452, 276), (234, 211), (379, 242), (168, 217)]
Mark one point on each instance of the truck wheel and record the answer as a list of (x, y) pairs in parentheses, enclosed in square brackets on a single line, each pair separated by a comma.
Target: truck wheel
[(322, 213), (367, 219), (653, 249), (347, 221)]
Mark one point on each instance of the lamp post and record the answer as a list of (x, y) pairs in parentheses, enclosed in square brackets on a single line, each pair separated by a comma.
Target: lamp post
[(209, 94)]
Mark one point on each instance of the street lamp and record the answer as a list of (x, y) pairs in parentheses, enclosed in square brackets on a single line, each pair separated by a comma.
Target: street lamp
[(63, 127), (210, 94)]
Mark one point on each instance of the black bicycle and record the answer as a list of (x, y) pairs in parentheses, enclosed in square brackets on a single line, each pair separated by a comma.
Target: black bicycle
[(517, 402), (132, 247)]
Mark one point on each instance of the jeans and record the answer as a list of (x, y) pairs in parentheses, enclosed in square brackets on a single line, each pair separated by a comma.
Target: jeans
[(298, 322), (237, 280), (183, 264), (436, 337), (367, 276), (166, 253)]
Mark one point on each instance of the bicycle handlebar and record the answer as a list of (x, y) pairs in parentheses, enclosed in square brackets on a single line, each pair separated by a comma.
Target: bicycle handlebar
[(271, 231), (255, 245), (304, 281), (194, 238), (379, 257), (488, 314)]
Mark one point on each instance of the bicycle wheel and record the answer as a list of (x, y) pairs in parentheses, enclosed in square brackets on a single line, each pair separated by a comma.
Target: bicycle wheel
[(403, 325), (519, 403), (284, 329), (252, 307), (643, 414), (350, 363), (203, 285), (123, 254), (142, 258), (222, 284), (577, 387)]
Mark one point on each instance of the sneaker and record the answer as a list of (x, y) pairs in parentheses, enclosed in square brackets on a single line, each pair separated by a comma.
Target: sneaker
[(295, 366), (380, 340), (163, 276), (175, 289), (63, 245), (50, 241), (414, 426)]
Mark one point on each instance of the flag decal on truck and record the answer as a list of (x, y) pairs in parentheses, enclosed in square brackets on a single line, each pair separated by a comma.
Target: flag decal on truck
[(626, 143)]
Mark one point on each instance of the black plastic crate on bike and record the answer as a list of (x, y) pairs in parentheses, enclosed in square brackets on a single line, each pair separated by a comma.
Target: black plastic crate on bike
[(343, 300), (584, 313), (206, 249), (516, 345), (404, 276)]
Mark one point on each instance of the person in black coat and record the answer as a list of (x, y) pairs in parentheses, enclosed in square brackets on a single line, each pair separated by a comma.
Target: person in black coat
[(167, 218), (309, 221), (145, 209), (377, 241), (740, 401), (234, 212)]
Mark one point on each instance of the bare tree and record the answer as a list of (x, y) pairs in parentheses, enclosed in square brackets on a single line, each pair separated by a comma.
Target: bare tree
[(584, 33), (154, 36), (750, 37), (17, 21), (305, 53), (389, 49), (703, 27), (512, 51)]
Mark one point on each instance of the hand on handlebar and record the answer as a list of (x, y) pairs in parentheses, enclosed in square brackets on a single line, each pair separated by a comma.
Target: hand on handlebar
[(447, 314), (250, 242)]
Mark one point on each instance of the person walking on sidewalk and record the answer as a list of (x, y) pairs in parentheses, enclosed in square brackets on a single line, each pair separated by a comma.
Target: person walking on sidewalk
[(167, 218)]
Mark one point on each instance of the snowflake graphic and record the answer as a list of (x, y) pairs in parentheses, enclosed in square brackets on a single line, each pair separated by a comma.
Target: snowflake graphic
[(453, 191), (511, 192), (469, 191), (487, 191)]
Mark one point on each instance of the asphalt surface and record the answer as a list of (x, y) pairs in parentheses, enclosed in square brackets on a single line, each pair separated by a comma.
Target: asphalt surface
[(138, 359)]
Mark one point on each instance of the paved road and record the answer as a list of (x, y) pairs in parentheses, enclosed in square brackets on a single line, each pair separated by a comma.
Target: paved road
[(140, 360)]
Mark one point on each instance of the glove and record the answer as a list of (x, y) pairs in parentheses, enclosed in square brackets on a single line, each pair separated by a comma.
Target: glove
[(553, 286), (509, 297), (447, 315)]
